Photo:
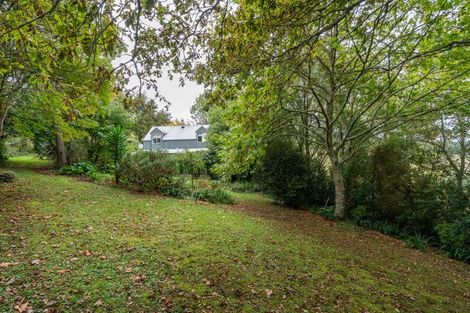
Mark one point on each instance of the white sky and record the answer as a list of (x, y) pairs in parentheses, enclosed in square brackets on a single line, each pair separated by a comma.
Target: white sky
[(181, 98)]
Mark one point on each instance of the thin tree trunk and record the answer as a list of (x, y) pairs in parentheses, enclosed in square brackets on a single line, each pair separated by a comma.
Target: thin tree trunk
[(3, 116), (340, 190), (462, 155), (61, 152)]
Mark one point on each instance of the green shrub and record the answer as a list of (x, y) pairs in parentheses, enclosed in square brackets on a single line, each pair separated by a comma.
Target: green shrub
[(17, 146), (191, 163), (244, 186), (286, 175), (148, 171), (326, 211), (384, 227), (176, 188), (83, 168), (3, 152), (418, 241), (214, 195), (455, 238), (359, 213)]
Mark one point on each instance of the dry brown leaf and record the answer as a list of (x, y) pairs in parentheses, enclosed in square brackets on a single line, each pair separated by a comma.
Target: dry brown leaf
[(8, 264), (64, 271), (269, 292), (36, 262), (23, 308), (86, 252), (139, 278)]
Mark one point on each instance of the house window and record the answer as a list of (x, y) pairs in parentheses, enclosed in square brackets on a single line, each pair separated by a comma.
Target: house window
[(199, 138), (157, 139)]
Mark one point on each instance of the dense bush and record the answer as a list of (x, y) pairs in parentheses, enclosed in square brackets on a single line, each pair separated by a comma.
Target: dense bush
[(290, 178), (400, 189), (152, 171), (77, 151), (244, 186), (455, 238), (384, 187), (16, 146), (191, 163), (82, 168), (214, 195), (3, 152), (391, 178)]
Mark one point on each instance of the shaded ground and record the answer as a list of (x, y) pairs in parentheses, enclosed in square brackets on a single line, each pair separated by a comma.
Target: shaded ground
[(69, 245)]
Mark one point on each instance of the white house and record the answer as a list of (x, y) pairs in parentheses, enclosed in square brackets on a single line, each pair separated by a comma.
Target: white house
[(174, 139)]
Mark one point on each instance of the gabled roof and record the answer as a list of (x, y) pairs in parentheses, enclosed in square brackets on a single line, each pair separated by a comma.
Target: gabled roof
[(181, 132)]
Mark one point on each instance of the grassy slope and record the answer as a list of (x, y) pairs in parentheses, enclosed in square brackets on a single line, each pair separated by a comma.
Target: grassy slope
[(159, 254)]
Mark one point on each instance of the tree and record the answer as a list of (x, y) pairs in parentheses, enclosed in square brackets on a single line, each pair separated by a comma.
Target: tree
[(200, 109), (41, 47), (362, 67), (117, 144), (145, 114), (448, 133)]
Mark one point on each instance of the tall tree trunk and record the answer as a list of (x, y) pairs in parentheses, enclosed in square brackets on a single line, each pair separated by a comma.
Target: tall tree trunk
[(61, 152), (340, 190), (463, 153), (3, 116)]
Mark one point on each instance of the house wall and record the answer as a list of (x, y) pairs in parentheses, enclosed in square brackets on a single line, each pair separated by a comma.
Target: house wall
[(147, 144), (179, 144), (174, 144)]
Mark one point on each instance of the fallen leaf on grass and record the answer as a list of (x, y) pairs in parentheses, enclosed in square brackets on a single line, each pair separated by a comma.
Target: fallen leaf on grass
[(64, 271), (269, 292), (86, 252), (8, 264), (139, 278), (36, 262), (23, 308), (99, 303)]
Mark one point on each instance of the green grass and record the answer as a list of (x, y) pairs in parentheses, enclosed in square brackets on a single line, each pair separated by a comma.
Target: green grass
[(29, 161), (155, 254)]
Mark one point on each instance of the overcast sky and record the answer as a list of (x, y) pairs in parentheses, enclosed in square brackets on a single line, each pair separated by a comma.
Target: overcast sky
[(181, 98)]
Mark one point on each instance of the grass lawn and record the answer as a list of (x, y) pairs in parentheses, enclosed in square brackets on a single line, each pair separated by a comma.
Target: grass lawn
[(68, 245)]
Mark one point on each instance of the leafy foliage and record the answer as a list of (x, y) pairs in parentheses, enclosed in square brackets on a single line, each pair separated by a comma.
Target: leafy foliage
[(213, 195), (151, 171), (117, 145), (455, 238), (84, 168), (291, 179), (418, 241), (191, 163)]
